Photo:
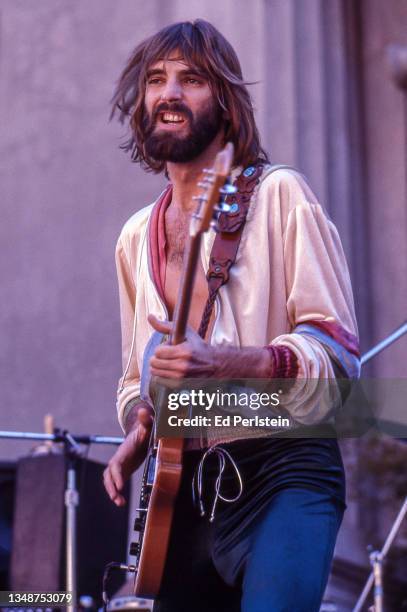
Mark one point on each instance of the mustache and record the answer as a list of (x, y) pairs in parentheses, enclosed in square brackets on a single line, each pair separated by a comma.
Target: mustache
[(172, 108)]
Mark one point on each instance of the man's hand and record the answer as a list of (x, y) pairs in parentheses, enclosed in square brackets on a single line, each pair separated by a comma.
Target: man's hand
[(128, 457), (193, 358)]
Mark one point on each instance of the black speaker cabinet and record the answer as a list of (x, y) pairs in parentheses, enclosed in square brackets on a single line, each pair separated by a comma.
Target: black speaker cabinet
[(7, 489), (38, 552)]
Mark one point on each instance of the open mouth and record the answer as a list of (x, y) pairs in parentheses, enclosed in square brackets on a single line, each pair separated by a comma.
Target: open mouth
[(172, 118)]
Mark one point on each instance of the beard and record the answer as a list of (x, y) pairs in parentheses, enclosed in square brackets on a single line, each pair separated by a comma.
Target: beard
[(170, 147)]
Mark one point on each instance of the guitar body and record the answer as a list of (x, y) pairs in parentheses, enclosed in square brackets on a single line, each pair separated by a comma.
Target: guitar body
[(161, 482), (163, 466)]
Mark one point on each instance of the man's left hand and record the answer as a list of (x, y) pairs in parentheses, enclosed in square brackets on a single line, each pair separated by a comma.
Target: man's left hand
[(193, 358)]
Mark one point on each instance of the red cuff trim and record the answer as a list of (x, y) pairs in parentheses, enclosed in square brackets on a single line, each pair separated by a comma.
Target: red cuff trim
[(284, 362)]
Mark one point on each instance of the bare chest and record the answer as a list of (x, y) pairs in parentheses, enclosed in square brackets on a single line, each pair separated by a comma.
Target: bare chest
[(176, 230)]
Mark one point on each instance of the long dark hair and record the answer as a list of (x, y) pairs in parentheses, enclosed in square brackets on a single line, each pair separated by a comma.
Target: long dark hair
[(202, 46)]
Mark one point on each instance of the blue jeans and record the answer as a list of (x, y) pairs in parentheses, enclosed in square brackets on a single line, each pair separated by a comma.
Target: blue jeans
[(265, 552), (291, 552)]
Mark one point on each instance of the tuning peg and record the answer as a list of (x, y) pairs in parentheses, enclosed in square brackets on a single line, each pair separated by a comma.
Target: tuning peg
[(228, 189), (204, 184), (222, 207), (208, 171), (200, 198)]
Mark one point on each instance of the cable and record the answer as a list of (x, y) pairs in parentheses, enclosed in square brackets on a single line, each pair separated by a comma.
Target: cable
[(108, 568)]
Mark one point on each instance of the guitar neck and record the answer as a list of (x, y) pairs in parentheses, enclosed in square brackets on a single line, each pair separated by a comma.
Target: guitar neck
[(182, 307), (210, 187)]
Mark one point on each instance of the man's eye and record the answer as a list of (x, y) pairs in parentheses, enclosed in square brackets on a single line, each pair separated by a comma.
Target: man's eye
[(192, 81), (154, 81)]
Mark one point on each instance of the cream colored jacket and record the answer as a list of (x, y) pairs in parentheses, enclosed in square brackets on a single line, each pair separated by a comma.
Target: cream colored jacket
[(290, 269)]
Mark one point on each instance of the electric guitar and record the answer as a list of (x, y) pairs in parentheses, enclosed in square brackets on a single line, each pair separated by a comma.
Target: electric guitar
[(163, 465)]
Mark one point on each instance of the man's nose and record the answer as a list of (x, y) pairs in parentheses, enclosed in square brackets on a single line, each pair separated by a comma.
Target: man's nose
[(172, 90)]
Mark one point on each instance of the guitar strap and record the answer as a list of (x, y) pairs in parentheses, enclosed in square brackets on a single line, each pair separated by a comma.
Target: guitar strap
[(227, 240)]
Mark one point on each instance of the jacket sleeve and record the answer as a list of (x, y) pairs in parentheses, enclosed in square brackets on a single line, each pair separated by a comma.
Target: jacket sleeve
[(128, 392), (320, 310)]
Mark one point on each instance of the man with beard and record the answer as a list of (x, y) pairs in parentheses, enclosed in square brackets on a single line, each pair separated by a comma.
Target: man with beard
[(287, 311)]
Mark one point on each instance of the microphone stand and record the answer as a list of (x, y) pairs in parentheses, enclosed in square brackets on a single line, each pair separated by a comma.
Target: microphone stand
[(377, 557), (58, 436), (72, 452), (376, 560), (378, 348)]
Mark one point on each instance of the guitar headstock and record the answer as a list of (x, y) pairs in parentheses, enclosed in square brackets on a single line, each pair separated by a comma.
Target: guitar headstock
[(212, 190)]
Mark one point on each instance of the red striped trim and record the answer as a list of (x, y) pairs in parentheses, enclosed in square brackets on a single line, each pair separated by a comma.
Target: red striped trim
[(284, 362), (157, 240), (338, 333)]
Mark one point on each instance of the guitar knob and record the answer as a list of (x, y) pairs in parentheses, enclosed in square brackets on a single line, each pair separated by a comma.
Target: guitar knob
[(134, 549), (138, 524)]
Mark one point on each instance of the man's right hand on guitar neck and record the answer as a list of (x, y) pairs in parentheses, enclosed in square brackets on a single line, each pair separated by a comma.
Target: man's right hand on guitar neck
[(130, 454)]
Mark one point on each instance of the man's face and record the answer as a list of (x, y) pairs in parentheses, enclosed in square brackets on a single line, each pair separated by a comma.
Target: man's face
[(181, 116)]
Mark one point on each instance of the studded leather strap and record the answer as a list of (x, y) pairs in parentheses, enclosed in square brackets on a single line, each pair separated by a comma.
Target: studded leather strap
[(227, 240)]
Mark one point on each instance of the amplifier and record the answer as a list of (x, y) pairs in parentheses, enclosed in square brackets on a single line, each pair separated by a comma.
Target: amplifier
[(38, 550), (7, 491)]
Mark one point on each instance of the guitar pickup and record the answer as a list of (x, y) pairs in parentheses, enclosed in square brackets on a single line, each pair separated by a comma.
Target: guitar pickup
[(150, 471)]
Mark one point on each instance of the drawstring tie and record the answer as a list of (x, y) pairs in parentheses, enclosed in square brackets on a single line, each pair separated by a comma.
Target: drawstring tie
[(197, 482)]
